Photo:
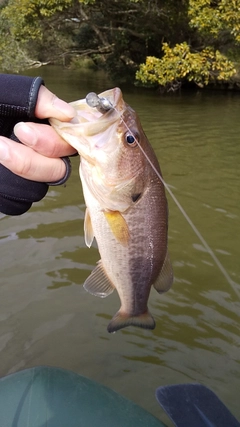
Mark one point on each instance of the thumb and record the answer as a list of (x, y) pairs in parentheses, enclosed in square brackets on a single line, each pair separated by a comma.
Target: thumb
[(49, 105)]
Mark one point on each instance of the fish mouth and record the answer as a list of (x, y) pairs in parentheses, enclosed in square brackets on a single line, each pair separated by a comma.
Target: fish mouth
[(91, 127), (102, 106)]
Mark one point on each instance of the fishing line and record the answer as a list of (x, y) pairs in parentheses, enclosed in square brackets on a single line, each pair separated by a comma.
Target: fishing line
[(203, 241), (103, 105)]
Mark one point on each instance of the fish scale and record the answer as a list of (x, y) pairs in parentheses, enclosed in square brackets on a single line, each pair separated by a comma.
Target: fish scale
[(126, 206)]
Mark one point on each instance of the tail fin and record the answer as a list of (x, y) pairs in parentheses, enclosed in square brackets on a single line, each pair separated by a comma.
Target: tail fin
[(122, 320)]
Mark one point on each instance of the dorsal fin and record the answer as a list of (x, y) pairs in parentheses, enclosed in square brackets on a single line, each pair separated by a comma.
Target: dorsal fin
[(98, 283), (88, 230), (118, 226), (165, 279)]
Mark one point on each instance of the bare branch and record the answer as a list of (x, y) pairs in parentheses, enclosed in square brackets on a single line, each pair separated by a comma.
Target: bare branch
[(127, 30), (95, 28)]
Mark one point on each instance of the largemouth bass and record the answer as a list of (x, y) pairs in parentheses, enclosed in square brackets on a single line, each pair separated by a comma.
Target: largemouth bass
[(126, 206)]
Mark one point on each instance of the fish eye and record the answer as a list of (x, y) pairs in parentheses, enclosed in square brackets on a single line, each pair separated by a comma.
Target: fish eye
[(131, 139)]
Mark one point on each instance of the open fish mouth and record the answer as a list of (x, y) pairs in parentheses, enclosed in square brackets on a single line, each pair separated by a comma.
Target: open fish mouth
[(95, 106), (94, 114), (96, 120)]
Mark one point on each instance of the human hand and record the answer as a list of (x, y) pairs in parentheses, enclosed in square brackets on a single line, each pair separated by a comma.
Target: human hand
[(38, 157)]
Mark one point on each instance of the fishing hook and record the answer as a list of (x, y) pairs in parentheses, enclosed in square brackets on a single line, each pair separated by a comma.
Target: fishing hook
[(101, 104)]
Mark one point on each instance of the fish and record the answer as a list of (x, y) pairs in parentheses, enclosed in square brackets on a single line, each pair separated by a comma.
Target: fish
[(126, 205)]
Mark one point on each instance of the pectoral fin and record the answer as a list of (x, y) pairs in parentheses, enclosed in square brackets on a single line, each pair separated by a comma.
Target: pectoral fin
[(165, 278), (88, 230), (98, 283), (118, 226)]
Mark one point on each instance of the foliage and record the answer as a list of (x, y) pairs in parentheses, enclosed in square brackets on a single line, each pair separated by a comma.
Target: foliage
[(219, 18), (12, 54), (205, 58), (36, 30), (124, 32), (26, 16), (179, 64), (119, 35)]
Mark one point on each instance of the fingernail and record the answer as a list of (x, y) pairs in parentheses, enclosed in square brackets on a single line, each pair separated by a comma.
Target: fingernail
[(4, 150), (64, 107), (25, 133)]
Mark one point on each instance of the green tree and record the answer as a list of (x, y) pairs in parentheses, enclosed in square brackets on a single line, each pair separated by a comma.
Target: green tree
[(179, 64), (183, 41), (219, 19), (37, 27), (116, 34), (206, 57)]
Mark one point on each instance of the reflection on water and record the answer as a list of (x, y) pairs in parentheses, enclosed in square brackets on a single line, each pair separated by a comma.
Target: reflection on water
[(46, 317)]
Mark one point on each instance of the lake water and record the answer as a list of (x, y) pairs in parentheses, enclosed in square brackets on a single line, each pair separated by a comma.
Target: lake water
[(46, 317)]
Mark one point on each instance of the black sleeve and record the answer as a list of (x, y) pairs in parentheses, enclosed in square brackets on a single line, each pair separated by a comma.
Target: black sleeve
[(18, 97)]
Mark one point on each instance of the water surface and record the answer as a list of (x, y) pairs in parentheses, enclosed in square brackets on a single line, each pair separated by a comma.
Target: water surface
[(46, 317)]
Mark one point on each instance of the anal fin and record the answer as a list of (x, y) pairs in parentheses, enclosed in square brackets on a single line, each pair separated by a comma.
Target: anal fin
[(98, 283), (165, 279)]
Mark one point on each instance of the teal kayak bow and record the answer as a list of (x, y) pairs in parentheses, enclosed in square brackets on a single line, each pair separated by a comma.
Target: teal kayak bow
[(54, 397)]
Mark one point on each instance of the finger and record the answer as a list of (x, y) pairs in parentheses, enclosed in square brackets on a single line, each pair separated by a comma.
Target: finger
[(43, 139), (49, 105), (27, 163)]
